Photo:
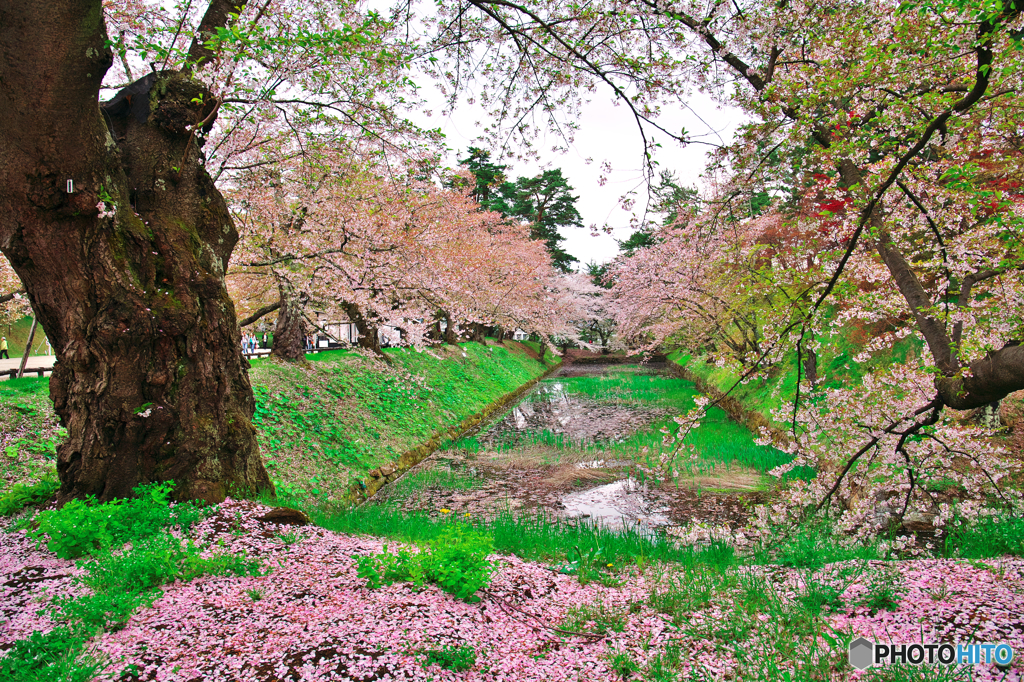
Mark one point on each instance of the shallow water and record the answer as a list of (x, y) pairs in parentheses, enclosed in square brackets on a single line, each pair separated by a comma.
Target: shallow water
[(546, 453), (570, 418), (622, 504)]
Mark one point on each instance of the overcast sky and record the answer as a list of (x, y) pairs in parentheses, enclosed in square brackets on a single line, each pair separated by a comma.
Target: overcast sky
[(607, 133)]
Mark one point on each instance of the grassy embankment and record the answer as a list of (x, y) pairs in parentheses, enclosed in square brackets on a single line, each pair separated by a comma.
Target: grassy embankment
[(17, 337), (776, 389), (323, 424)]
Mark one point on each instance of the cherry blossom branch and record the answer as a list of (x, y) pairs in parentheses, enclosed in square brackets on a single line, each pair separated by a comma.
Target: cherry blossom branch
[(265, 310), (935, 406), (7, 297)]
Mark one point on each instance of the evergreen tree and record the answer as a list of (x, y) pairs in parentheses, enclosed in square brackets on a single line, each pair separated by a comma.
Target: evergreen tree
[(669, 198), (489, 177), (547, 202)]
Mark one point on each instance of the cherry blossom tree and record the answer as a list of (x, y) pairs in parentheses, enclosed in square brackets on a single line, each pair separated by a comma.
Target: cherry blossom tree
[(888, 138), (114, 223), (331, 234), (13, 303)]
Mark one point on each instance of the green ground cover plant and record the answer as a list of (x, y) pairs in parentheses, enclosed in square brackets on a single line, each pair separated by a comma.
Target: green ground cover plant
[(85, 526), (22, 495), (57, 655), (451, 657), (129, 552), (456, 561)]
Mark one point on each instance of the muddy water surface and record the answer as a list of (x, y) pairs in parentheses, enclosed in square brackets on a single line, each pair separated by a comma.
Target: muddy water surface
[(556, 451)]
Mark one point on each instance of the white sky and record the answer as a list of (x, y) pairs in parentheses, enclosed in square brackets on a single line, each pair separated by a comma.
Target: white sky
[(607, 133)]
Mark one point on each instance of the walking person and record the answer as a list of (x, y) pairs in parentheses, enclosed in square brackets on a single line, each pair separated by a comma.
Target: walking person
[(3, 348)]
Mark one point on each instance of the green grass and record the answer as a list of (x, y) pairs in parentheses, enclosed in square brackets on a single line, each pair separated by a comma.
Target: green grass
[(533, 537), (325, 424), (777, 387), (543, 351), (986, 538), (434, 478), (322, 425), (17, 337), (814, 544)]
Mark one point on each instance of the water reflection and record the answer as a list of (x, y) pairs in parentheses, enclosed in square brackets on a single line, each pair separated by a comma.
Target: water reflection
[(624, 503), (551, 414)]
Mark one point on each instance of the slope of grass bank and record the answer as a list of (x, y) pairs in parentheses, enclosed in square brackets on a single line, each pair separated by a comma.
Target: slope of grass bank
[(341, 416), (320, 424), (776, 388), (17, 337)]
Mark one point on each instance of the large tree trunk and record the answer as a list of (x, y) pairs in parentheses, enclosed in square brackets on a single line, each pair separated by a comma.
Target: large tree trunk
[(450, 337), (290, 332), (149, 380), (368, 336)]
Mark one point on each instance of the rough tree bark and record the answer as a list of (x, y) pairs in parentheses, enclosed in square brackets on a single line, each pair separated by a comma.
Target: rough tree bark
[(368, 336), (149, 380), (290, 332), (479, 334), (450, 337)]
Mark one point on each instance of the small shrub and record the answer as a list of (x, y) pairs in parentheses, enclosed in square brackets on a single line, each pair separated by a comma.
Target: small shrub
[(56, 655), (124, 581), (451, 657), (456, 561), (22, 495), (85, 526)]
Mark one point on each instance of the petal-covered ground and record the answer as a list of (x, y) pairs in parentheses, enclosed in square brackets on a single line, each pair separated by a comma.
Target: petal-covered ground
[(313, 618)]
